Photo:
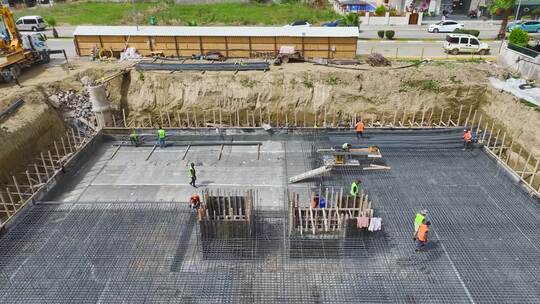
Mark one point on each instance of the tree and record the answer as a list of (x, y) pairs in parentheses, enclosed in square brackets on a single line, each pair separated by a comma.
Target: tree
[(351, 19), (381, 10), (504, 8), (52, 23)]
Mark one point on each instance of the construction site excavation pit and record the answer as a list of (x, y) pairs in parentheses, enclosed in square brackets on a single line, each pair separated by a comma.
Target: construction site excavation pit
[(116, 227)]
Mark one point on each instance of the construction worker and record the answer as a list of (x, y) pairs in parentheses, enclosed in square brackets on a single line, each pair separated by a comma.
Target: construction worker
[(467, 138), (421, 235), (192, 174), (419, 219), (134, 138), (346, 147), (194, 201), (359, 127), (355, 187), (161, 137)]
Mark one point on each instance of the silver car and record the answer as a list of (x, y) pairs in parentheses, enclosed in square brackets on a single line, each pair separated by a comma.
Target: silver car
[(31, 23)]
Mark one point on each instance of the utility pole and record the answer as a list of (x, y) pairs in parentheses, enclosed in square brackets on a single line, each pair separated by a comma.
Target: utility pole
[(517, 11)]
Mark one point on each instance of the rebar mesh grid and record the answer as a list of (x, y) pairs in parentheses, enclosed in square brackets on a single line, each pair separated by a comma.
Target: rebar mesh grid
[(484, 248)]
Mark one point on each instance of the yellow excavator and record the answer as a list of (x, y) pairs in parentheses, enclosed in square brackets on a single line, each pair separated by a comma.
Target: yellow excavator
[(18, 51)]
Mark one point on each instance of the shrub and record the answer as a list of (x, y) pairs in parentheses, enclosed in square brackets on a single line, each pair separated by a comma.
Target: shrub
[(390, 34), (511, 18), (380, 34), (526, 17), (380, 10), (467, 31), (351, 19), (393, 12), (331, 79), (536, 12), (518, 37), (307, 83)]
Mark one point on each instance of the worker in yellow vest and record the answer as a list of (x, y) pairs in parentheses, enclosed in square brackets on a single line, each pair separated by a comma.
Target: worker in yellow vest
[(161, 137)]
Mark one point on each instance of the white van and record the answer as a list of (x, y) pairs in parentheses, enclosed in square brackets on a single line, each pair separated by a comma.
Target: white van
[(464, 43), (31, 23)]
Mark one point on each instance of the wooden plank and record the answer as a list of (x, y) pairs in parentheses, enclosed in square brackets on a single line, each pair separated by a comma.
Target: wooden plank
[(186, 152), (150, 154)]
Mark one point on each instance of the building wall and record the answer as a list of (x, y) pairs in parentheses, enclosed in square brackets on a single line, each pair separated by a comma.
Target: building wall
[(239, 47)]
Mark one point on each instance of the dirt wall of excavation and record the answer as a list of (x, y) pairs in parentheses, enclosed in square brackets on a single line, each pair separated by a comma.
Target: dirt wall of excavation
[(302, 87), (27, 131)]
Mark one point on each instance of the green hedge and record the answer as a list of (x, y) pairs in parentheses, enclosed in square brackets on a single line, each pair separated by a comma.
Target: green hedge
[(475, 33)]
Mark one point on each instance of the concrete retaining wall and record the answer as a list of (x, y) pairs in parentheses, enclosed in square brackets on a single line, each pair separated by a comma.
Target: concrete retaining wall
[(527, 66)]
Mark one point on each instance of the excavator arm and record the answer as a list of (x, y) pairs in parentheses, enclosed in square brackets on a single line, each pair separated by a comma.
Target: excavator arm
[(12, 43)]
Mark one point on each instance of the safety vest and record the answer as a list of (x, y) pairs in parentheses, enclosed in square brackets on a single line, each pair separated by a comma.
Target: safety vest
[(359, 126), (422, 233), (354, 189), (345, 146), (161, 133), (191, 172), (467, 136), (133, 135), (418, 220)]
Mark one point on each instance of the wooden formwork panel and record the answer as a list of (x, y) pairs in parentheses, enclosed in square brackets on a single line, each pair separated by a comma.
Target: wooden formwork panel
[(315, 40), (343, 55), (214, 47), (163, 39), (189, 46), (289, 40), (262, 40), (213, 39), (316, 47), (188, 53), (343, 40), (262, 47), (344, 47), (316, 54), (239, 54), (242, 40), (313, 47)]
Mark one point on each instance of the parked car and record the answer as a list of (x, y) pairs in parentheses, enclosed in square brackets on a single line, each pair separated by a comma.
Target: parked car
[(299, 23), (527, 26), (31, 23), (447, 26), (464, 43), (334, 23)]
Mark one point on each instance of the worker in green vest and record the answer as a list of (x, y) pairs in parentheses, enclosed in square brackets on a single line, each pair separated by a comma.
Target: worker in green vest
[(161, 137), (419, 219), (134, 138), (192, 174), (355, 187)]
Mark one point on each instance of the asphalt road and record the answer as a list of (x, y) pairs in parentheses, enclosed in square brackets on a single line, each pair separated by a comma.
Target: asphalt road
[(487, 29), (412, 48)]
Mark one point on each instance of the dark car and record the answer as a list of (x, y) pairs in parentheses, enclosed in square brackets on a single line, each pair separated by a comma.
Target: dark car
[(334, 23), (299, 23)]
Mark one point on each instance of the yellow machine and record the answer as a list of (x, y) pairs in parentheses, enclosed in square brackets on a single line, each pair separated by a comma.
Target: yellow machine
[(14, 54)]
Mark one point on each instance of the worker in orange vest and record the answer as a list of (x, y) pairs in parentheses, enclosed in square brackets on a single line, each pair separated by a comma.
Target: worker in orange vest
[(421, 235), (467, 138), (194, 201), (359, 127)]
